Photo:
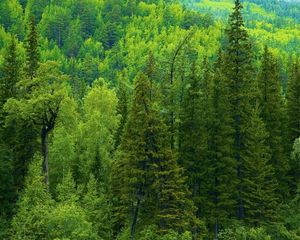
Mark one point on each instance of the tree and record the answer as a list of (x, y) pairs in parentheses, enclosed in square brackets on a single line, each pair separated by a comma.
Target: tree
[(219, 186), (41, 104), (32, 50), (123, 109), (12, 74), (272, 112), (259, 183), (30, 221), (96, 203), (193, 131), (293, 115), (150, 187), (94, 153), (238, 68)]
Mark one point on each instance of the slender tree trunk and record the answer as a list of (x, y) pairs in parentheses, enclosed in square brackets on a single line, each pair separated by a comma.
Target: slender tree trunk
[(134, 220), (44, 138)]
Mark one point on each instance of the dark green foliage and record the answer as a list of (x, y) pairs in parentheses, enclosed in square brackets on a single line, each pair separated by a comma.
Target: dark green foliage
[(272, 113), (259, 183), (153, 186), (221, 177), (11, 74), (238, 69), (32, 50)]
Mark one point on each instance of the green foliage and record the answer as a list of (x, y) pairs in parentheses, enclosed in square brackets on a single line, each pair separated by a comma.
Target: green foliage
[(68, 221), (272, 113), (241, 233), (34, 205), (199, 139), (259, 184)]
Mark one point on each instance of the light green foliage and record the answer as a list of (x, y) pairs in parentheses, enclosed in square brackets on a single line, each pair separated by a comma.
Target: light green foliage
[(97, 207), (100, 117), (39, 96), (34, 205), (68, 221), (242, 233)]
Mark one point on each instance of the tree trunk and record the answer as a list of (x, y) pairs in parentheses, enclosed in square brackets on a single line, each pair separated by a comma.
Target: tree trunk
[(44, 138), (134, 220)]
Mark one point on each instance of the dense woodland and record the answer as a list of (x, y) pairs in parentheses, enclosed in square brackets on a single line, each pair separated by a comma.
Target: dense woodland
[(149, 120)]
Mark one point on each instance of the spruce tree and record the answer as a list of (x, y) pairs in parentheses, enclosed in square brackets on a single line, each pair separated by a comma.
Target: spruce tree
[(194, 119), (220, 175), (32, 50), (152, 186), (293, 117), (272, 112), (11, 74), (238, 69), (122, 109), (259, 183)]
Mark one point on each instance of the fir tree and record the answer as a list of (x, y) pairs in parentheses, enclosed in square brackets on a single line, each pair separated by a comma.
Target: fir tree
[(238, 68), (32, 50), (259, 183), (272, 112)]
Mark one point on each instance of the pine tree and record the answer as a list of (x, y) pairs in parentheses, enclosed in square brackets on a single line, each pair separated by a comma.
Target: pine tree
[(153, 188), (32, 50), (272, 112), (238, 68), (259, 182)]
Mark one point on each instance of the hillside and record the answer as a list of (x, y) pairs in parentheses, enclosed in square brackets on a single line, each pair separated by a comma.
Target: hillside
[(149, 120)]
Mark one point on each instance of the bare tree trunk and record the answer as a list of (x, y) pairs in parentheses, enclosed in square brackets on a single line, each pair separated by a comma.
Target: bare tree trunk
[(44, 138)]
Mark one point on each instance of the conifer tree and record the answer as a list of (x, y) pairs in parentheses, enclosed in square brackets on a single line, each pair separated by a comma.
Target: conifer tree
[(238, 69), (220, 178), (122, 109), (193, 130), (12, 72), (293, 118), (32, 50), (272, 112), (259, 182), (293, 106), (153, 188), (97, 206)]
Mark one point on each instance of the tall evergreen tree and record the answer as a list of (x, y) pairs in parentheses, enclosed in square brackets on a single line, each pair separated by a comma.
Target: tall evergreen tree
[(122, 109), (32, 50), (259, 183), (272, 112), (193, 130), (238, 68), (11, 73), (153, 189), (220, 178), (293, 115)]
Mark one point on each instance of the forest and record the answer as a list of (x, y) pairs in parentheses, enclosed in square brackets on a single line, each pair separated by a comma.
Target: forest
[(149, 120)]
